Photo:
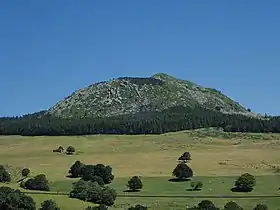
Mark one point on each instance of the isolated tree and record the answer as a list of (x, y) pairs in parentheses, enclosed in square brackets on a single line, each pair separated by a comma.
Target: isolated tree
[(135, 183), (76, 169), (93, 192), (39, 182), (186, 156), (231, 205), (182, 171), (245, 183), (59, 149), (138, 207), (261, 207), (196, 185), (4, 175), (70, 150), (11, 199), (49, 205), (25, 172)]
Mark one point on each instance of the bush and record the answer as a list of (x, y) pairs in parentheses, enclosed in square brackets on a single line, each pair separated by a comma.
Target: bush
[(90, 173), (49, 205), (76, 169), (70, 150), (135, 183), (4, 175), (100, 207), (261, 207), (39, 182), (231, 205), (196, 185), (138, 207), (93, 192), (245, 183), (182, 171), (11, 199), (186, 156), (25, 172)]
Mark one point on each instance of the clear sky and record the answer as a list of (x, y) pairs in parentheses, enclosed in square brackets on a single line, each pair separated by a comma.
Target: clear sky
[(48, 49)]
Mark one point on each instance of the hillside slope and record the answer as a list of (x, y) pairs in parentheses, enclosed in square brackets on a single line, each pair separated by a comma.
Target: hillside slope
[(129, 95)]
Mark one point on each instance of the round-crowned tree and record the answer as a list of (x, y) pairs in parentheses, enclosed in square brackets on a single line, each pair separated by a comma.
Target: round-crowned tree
[(49, 205), (138, 207), (70, 150), (245, 183), (135, 184), (39, 182), (206, 204), (93, 192), (231, 205), (182, 171), (76, 169), (11, 199), (185, 157), (261, 207), (92, 172), (25, 172), (4, 175)]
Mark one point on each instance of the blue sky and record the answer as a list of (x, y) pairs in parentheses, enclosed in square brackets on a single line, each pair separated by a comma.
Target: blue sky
[(48, 49)]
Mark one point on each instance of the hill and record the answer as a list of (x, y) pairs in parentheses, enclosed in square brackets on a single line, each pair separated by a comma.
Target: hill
[(130, 95), (154, 105)]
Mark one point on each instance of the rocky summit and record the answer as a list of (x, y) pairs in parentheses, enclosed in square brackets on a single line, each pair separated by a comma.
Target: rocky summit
[(129, 95)]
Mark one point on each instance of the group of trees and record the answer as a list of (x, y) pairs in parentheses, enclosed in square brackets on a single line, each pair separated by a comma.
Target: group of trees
[(231, 205), (91, 187), (38, 182), (69, 151), (169, 120), (11, 199)]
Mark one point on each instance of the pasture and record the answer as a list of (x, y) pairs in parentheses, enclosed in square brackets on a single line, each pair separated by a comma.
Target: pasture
[(217, 160)]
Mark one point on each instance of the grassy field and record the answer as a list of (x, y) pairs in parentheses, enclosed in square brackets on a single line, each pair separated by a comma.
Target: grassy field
[(217, 159)]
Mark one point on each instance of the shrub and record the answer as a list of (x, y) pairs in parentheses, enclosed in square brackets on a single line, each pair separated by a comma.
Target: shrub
[(93, 192), (245, 183), (261, 207), (182, 171), (39, 182), (100, 207), (11, 199), (76, 169), (49, 205), (4, 175), (135, 183), (186, 156), (25, 172), (89, 173), (231, 205), (196, 185), (138, 207), (70, 150)]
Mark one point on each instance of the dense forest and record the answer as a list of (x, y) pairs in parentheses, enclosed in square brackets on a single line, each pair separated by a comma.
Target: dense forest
[(172, 119)]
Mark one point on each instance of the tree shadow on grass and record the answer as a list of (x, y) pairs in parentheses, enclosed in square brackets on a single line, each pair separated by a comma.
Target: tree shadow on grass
[(131, 191), (178, 180), (193, 190), (235, 189)]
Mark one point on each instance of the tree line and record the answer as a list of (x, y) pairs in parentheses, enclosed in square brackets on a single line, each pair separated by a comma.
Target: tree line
[(169, 120)]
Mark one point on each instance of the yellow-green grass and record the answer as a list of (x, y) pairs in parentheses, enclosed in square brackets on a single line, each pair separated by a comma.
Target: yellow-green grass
[(217, 159)]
